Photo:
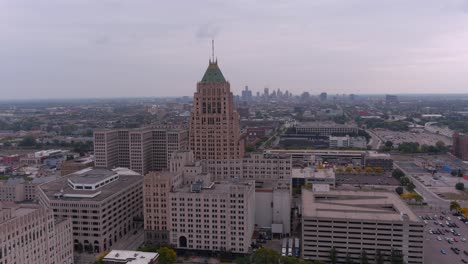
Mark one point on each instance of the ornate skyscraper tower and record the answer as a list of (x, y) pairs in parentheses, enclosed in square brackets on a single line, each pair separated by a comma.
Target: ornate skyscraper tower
[(214, 124)]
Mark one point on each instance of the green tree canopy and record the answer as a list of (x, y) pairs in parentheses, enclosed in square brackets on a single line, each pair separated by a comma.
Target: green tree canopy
[(399, 190), (333, 255), (167, 255), (397, 173), (265, 256), (454, 206), (410, 186)]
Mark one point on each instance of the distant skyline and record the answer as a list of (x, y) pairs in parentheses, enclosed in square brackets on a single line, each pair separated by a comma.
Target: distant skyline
[(109, 48)]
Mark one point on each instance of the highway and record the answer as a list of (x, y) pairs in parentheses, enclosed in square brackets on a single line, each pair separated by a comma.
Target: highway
[(375, 141)]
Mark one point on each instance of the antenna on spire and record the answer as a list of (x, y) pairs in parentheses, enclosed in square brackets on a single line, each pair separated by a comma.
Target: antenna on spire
[(212, 50)]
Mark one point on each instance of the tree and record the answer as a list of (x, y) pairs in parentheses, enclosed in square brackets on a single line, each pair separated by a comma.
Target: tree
[(290, 260), (399, 190), (364, 259), (148, 248), (396, 256), (27, 141), (265, 256), (167, 255), (348, 259), (333, 255), (397, 174), (410, 187), (440, 145), (379, 258), (349, 169), (464, 211), (249, 148), (460, 186), (404, 181), (369, 170), (378, 170), (242, 260), (389, 144), (418, 198), (454, 206)]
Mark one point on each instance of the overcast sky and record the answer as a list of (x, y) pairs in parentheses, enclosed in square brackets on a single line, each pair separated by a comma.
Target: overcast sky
[(110, 48)]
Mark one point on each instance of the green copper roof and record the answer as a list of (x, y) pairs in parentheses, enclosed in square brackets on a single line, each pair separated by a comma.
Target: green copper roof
[(213, 74)]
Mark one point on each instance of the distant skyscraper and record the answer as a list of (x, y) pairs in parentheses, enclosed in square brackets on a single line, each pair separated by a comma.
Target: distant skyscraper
[(391, 99), (214, 124), (323, 96), (266, 92), (246, 94)]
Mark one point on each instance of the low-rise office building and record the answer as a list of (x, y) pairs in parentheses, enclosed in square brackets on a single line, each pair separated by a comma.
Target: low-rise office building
[(102, 204), (313, 176), (29, 233), (19, 189), (325, 128), (352, 222), (347, 142)]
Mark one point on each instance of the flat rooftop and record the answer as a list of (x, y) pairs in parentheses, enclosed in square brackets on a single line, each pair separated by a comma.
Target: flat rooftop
[(323, 125), (19, 209), (131, 257), (61, 186), (356, 205), (90, 176), (215, 187), (310, 173)]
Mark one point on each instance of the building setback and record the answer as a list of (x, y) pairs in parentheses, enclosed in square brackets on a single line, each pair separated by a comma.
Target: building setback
[(255, 167), (102, 205), (141, 150), (184, 208), (352, 222), (214, 122), (30, 234)]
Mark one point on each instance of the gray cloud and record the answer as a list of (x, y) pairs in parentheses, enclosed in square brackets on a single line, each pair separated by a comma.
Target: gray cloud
[(207, 31), (88, 48)]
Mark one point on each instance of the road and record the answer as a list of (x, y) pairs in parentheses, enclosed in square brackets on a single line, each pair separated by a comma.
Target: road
[(432, 199), (375, 141)]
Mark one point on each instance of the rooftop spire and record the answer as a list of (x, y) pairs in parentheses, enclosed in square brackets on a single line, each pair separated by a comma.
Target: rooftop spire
[(212, 51)]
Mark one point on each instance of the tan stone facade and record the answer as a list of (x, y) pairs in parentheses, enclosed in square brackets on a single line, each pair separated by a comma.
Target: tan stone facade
[(214, 123), (254, 167), (185, 208), (30, 234), (102, 205)]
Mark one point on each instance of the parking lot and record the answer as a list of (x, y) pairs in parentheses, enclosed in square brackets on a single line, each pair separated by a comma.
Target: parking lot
[(441, 183), (440, 240), (421, 137)]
